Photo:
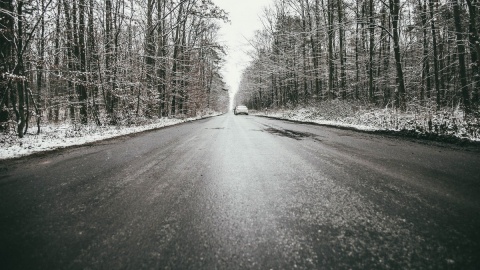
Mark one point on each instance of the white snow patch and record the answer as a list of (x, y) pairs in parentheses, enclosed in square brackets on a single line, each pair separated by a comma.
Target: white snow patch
[(342, 114), (63, 135)]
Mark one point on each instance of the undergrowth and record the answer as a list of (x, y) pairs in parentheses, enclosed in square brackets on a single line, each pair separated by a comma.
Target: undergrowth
[(415, 119)]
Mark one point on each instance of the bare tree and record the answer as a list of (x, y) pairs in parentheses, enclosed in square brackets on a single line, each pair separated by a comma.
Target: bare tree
[(461, 57)]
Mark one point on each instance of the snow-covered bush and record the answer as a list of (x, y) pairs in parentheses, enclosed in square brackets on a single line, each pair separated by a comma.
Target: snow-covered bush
[(421, 120)]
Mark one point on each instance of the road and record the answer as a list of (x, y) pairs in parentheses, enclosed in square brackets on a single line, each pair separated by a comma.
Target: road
[(243, 192)]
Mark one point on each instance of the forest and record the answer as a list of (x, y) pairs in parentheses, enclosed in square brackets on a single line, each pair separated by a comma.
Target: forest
[(108, 62), (410, 56)]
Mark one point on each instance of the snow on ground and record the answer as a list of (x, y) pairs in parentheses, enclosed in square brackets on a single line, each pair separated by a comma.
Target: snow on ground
[(64, 135), (304, 115), (445, 123), (336, 113)]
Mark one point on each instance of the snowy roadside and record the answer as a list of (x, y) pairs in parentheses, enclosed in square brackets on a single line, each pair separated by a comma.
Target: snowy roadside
[(64, 135), (444, 126), (300, 116)]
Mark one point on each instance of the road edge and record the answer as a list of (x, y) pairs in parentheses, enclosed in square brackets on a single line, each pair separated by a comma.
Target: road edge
[(89, 144)]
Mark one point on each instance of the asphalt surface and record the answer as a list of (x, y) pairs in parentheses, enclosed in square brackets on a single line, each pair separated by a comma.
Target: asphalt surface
[(243, 192)]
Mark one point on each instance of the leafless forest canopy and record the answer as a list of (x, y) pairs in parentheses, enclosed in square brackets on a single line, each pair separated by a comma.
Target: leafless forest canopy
[(111, 61), (108, 61), (401, 54)]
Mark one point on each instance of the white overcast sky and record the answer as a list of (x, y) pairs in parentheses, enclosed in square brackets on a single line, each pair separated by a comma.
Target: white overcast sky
[(244, 18)]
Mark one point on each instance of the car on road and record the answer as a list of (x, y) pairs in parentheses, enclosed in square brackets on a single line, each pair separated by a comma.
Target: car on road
[(241, 110)]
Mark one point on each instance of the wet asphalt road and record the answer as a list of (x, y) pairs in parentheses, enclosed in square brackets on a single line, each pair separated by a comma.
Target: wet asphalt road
[(243, 192)]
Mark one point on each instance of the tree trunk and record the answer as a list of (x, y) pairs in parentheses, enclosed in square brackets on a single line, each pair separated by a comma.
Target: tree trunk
[(176, 52), (81, 86), (331, 36), (371, 27), (474, 40), (150, 47), (461, 57), (70, 57), (56, 61), (6, 54), (41, 56), (400, 91), (19, 71), (161, 56), (435, 55), (92, 60), (341, 37), (314, 44), (304, 53), (108, 96), (357, 33), (425, 87)]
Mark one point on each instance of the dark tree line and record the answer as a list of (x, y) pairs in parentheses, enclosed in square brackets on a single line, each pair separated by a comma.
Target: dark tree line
[(106, 61), (396, 53)]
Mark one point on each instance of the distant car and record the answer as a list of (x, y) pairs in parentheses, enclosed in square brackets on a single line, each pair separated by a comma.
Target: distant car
[(240, 110)]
